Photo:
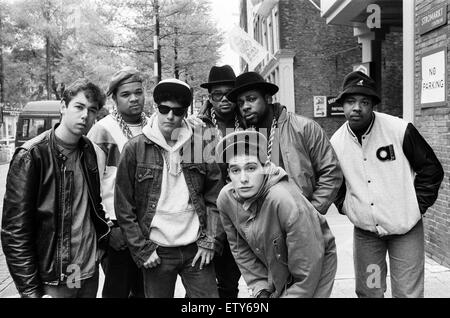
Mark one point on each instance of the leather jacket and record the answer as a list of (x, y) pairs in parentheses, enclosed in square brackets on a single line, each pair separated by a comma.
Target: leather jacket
[(36, 224)]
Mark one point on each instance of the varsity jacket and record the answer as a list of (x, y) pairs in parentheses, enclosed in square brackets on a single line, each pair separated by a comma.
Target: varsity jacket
[(391, 177), (108, 136)]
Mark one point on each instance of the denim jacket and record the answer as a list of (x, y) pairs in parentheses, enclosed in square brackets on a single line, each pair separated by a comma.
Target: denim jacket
[(138, 188)]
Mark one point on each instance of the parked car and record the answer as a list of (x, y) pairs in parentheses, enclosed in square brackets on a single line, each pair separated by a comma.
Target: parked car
[(35, 118)]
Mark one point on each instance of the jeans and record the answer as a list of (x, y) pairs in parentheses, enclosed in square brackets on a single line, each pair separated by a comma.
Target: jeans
[(406, 260), (123, 279), (227, 273), (159, 281), (87, 289)]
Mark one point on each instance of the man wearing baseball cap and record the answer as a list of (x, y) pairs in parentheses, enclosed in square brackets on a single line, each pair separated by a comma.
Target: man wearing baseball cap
[(166, 205), (296, 143), (122, 277), (287, 250), (392, 177)]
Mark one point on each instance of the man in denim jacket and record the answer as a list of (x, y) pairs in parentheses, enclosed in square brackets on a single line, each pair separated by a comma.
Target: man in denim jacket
[(165, 202)]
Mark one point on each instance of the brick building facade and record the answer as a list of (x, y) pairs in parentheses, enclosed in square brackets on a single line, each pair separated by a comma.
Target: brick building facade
[(309, 57), (434, 124), (414, 29), (312, 51)]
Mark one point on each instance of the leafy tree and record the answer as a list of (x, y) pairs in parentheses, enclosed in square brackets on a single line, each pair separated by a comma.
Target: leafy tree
[(189, 39)]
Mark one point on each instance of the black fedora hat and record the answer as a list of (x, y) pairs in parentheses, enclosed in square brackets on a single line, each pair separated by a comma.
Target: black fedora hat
[(219, 75), (249, 81), (359, 83)]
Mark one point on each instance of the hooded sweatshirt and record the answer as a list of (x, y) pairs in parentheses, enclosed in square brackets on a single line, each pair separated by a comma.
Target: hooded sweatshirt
[(278, 239), (175, 222)]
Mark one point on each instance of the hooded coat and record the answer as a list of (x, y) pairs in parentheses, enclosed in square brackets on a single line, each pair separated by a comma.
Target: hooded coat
[(278, 239)]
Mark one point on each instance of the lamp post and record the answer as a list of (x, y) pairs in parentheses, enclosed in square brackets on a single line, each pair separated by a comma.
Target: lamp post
[(156, 46)]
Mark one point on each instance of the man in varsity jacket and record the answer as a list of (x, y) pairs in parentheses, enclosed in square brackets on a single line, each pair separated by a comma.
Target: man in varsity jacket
[(123, 279), (392, 176)]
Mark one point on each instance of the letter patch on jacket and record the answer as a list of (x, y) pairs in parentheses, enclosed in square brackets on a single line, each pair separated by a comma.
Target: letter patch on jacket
[(386, 153)]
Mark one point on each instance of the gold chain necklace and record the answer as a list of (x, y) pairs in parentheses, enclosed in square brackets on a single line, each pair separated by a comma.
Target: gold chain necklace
[(271, 138), (124, 126), (216, 125)]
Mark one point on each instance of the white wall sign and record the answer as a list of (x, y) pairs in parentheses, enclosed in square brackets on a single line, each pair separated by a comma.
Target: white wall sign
[(362, 67), (320, 106), (434, 78)]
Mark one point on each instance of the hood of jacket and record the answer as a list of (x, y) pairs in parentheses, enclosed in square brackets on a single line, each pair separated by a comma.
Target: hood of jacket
[(172, 153), (272, 176)]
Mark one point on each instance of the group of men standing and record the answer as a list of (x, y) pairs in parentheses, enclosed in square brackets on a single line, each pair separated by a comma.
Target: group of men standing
[(130, 195)]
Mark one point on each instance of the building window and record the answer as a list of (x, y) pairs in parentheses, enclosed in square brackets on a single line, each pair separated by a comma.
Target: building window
[(270, 35), (25, 126), (11, 132), (33, 127), (276, 30)]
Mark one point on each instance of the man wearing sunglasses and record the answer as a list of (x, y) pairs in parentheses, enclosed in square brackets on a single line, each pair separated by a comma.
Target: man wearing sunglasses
[(166, 203), (220, 113), (218, 109)]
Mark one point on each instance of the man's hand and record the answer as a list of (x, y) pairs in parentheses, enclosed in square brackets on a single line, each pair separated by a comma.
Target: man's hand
[(195, 122), (264, 294), (205, 255), (116, 240), (153, 260)]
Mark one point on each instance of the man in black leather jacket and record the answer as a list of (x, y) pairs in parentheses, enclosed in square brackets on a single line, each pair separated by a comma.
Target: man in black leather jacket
[(53, 227)]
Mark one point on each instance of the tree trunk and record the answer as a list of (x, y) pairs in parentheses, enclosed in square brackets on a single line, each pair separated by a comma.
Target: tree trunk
[(2, 70), (48, 70), (55, 89), (176, 71), (156, 46)]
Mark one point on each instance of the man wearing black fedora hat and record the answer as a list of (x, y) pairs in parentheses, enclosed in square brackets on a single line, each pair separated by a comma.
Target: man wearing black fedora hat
[(296, 143), (220, 113), (392, 176), (218, 109)]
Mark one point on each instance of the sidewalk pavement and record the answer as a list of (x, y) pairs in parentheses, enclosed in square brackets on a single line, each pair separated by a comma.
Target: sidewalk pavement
[(437, 277)]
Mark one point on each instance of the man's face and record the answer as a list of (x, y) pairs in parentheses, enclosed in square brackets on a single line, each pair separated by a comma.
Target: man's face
[(130, 100), (168, 122), (253, 106), (358, 110), (79, 116), (246, 174), (218, 100)]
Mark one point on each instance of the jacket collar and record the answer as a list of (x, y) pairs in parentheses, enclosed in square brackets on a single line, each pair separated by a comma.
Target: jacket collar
[(280, 111), (368, 130), (82, 143)]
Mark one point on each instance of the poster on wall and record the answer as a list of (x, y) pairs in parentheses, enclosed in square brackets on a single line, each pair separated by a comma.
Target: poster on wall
[(334, 108), (320, 106), (434, 78)]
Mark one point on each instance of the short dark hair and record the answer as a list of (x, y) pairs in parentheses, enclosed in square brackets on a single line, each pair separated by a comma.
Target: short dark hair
[(180, 99), (92, 92)]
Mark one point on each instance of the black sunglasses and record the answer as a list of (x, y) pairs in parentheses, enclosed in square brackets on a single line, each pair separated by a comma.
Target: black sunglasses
[(163, 109), (217, 96)]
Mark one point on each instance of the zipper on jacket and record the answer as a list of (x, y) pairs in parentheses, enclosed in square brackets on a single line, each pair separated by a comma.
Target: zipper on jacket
[(62, 186), (90, 197)]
